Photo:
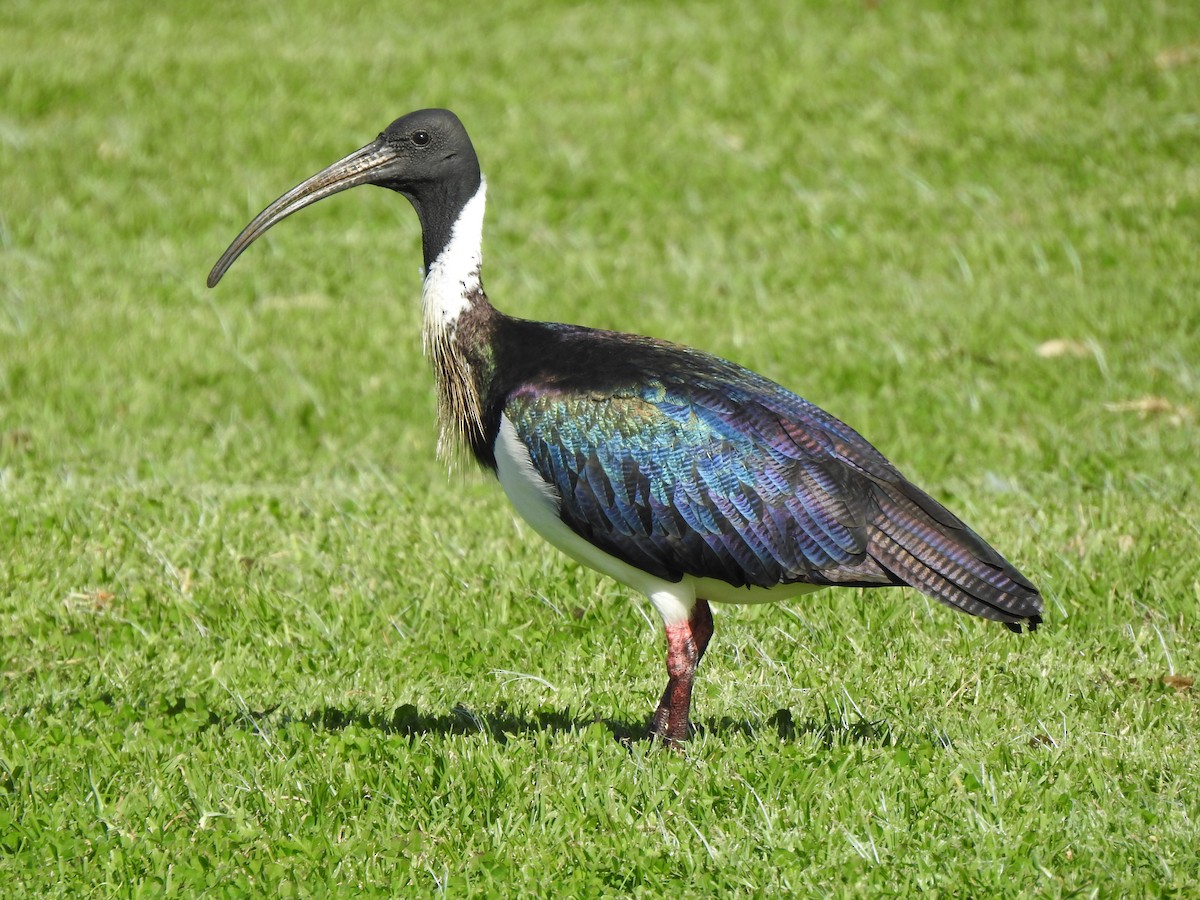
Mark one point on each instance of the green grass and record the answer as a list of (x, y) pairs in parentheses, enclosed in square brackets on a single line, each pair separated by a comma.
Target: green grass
[(254, 640)]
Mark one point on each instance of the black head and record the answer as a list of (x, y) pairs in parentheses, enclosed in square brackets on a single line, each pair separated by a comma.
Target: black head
[(425, 155), (430, 146)]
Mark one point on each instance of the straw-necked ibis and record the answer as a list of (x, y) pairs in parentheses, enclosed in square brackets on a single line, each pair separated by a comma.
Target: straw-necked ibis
[(682, 475)]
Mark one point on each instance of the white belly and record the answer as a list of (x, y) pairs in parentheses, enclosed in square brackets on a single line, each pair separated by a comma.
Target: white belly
[(537, 502)]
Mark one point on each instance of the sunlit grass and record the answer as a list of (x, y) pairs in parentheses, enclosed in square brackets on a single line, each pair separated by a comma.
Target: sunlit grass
[(254, 639)]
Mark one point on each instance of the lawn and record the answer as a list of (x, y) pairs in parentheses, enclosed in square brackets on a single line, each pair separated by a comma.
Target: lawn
[(254, 639)]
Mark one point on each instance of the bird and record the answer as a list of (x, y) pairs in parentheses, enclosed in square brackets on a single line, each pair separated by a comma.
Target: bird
[(679, 474)]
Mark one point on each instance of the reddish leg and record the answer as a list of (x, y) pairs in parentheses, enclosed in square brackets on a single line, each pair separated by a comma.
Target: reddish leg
[(686, 643)]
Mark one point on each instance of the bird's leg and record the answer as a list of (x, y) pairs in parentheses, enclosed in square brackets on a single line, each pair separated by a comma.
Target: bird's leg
[(686, 643)]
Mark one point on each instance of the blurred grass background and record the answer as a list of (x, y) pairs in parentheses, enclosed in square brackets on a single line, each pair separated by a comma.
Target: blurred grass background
[(252, 638)]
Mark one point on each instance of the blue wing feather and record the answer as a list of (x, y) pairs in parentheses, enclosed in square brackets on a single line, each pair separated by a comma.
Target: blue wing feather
[(688, 479), (680, 463)]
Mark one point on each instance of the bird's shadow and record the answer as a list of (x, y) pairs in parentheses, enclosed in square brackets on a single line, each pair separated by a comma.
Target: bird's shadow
[(502, 724)]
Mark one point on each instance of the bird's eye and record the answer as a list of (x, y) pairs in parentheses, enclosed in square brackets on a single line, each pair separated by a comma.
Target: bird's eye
[(420, 138)]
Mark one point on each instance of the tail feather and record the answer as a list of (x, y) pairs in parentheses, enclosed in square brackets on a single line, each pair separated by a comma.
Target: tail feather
[(925, 545)]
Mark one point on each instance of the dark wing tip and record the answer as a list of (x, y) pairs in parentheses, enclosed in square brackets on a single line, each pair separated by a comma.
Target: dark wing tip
[(1031, 624)]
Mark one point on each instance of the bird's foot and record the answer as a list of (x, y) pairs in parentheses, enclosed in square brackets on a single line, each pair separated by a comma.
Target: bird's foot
[(686, 643), (671, 723)]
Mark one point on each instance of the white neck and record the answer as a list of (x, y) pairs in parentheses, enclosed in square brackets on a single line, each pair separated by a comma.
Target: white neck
[(452, 286), (454, 276)]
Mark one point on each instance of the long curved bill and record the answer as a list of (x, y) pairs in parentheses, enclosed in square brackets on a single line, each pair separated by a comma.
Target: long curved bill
[(363, 166)]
